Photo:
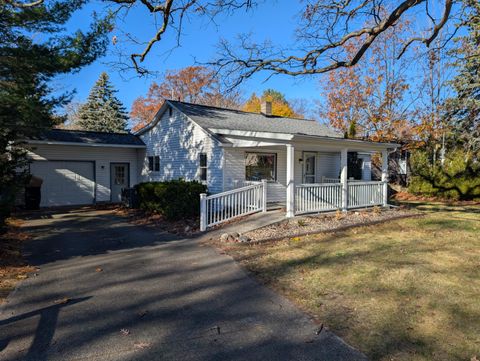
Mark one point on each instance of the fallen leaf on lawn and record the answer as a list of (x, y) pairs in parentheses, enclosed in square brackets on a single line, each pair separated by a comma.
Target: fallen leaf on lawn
[(98, 269), (62, 301), (21, 277), (125, 332), (142, 313), (142, 345)]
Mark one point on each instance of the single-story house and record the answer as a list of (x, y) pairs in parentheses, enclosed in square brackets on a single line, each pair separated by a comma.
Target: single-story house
[(224, 148)]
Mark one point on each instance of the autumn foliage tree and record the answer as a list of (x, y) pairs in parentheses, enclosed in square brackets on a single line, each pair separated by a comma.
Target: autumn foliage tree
[(369, 100), (193, 84), (280, 106)]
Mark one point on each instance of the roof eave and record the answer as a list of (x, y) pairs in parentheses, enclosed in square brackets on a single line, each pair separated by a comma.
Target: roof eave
[(49, 142)]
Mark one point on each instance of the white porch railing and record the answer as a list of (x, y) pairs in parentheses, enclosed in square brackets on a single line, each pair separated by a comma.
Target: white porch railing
[(319, 197), (364, 194), (222, 207), (322, 197)]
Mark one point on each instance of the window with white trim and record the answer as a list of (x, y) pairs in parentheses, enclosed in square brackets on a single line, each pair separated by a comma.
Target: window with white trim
[(203, 166), (154, 163), (259, 166)]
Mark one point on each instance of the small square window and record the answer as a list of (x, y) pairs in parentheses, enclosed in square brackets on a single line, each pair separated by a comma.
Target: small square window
[(154, 163)]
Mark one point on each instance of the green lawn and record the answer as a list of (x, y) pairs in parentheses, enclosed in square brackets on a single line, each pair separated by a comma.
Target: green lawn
[(403, 290)]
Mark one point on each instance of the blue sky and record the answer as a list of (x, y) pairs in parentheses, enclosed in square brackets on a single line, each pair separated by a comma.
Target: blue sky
[(198, 42)]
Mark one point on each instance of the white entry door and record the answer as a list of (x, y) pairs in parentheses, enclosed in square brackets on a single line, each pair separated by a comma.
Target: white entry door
[(309, 167), (65, 182)]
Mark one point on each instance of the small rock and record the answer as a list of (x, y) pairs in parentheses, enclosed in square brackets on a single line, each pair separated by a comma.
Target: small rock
[(224, 237), (187, 229), (231, 238), (235, 235), (243, 239)]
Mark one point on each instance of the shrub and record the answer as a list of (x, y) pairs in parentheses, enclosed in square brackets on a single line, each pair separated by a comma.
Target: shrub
[(457, 178), (175, 199)]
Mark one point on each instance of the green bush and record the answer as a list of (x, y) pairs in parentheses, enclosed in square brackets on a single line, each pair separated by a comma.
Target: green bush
[(457, 178), (175, 199)]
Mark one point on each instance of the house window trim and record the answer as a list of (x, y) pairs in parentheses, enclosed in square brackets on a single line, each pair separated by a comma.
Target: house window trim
[(275, 170), (200, 167), (152, 167)]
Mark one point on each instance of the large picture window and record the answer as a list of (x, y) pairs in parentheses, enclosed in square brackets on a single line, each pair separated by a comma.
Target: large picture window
[(260, 166)]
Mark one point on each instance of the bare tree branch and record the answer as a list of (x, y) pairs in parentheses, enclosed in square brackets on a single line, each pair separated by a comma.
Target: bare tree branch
[(25, 5)]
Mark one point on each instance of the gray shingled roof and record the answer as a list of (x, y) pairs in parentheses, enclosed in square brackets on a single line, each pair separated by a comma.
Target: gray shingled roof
[(218, 118), (85, 137)]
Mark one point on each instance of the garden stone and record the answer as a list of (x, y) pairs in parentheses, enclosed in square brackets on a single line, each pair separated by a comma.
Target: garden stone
[(224, 237), (243, 239), (235, 235), (231, 238)]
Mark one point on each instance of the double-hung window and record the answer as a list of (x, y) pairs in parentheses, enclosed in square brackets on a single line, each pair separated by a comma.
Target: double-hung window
[(154, 163), (203, 166), (259, 166)]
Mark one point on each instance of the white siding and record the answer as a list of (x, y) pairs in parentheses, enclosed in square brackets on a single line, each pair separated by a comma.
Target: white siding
[(235, 171), (102, 156), (179, 142)]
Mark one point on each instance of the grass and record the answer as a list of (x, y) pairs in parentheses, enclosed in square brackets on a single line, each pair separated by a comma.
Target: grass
[(404, 290)]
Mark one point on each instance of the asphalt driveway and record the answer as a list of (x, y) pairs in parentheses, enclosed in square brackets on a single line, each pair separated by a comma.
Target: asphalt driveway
[(110, 290)]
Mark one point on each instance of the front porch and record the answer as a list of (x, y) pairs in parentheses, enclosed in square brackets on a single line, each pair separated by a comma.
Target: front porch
[(303, 177)]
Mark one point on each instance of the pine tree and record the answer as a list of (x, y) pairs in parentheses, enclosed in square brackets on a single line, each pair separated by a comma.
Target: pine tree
[(35, 48), (103, 111), (463, 111)]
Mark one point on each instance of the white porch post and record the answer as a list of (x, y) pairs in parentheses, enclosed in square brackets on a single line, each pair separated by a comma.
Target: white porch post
[(264, 195), (290, 181), (344, 178), (203, 212), (385, 177)]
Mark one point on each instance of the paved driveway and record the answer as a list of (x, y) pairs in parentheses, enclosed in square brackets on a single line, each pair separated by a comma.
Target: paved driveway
[(110, 290)]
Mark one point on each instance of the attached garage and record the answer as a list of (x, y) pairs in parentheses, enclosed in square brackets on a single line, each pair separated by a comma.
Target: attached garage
[(81, 168), (65, 182)]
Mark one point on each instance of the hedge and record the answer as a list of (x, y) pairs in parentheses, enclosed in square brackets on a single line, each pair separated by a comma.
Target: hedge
[(175, 199), (457, 178)]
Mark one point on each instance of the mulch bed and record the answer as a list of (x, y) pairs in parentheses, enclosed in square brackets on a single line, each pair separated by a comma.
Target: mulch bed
[(331, 222), (13, 267)]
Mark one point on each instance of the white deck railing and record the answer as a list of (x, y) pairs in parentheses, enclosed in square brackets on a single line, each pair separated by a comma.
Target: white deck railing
[(222, 207), (318, 197), (322, 197), (365, 194)]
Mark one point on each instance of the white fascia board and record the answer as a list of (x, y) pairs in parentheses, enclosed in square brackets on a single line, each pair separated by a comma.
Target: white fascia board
[(155, 119), (252, 134), (360, 145), (249, 143), (100, 145)]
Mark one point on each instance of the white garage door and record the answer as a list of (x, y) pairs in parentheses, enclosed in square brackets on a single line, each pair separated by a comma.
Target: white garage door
[(65, 182)]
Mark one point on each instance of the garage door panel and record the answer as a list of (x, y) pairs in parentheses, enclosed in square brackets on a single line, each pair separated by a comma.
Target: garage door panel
[(65, 183)]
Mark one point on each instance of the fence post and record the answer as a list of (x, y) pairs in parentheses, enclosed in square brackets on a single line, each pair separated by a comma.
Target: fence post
[(344, 178), (264, 195), (203, 212), (385, 177)]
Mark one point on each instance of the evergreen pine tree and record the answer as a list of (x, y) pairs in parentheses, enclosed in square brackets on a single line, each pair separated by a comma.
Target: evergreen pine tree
[(103, 111), (463, 111)]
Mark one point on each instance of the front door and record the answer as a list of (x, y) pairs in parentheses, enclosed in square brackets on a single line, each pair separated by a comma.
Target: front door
[(119, 179), (309, 161)]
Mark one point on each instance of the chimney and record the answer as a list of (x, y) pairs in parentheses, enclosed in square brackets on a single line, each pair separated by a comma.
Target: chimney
[(266, 108)]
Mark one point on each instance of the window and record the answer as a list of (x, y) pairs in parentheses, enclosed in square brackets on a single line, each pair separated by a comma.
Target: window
[(259, 166), (203, 167), (154, 163)]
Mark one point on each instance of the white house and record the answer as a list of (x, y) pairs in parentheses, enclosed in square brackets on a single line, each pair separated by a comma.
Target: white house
[(227, 149)]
